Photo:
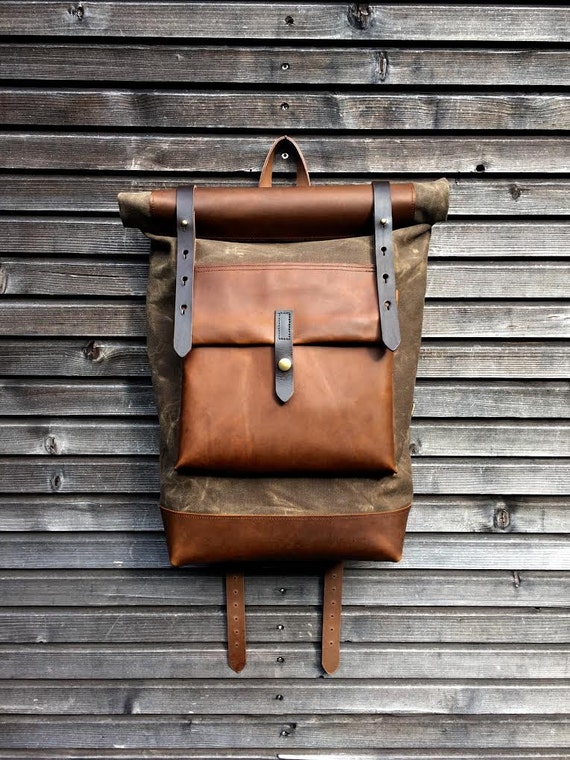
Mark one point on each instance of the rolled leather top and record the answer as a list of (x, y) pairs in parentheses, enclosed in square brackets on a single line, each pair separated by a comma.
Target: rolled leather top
[(317, 212)]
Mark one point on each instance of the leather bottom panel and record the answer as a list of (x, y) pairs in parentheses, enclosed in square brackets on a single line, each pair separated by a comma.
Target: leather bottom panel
[(199, 538)]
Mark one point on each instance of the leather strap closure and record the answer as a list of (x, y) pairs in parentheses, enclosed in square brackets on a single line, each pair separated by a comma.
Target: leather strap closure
[(185, 254), (303, 179), (284, 384), (332, 611), (235, 614), (384, 256)]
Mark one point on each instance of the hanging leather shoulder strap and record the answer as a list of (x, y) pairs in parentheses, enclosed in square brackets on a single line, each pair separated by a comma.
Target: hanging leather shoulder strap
[(235, 613), (331, 623), (332, 617)]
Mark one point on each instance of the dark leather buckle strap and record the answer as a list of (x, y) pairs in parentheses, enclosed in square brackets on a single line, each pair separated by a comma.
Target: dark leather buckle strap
[(384, 256), (332, 612), (185, 255), (284, 354), (235, 613)]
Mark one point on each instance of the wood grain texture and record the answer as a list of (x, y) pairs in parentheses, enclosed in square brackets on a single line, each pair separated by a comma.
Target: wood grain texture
[(262, 754), (432, 398), (124, 625), (122, 318), (285, 21), (430, 514), (295, 731), (148, 550), (390, 661), (471, 197), (277, 589), (243, 154), (458, 280), (68, 437), (356, 697), (438, 359), (108, 239), (214, 64), (155, 109), (140, 475)]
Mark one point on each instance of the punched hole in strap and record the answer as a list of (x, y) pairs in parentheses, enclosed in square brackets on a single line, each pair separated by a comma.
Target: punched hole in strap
[(384, 261), (185, 255)]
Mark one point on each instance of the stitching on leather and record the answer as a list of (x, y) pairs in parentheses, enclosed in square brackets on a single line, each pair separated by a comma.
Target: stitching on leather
[(287, 315), (287, 517), (284, 265)]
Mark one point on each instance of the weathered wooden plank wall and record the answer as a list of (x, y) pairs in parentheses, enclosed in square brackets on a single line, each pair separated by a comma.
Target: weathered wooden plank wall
[(462, 650)]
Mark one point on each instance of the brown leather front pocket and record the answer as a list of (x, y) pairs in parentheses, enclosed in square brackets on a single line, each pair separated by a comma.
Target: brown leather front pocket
[(339, 420)]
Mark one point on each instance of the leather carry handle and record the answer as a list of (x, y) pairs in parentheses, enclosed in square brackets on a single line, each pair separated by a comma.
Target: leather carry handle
[(266, 178)]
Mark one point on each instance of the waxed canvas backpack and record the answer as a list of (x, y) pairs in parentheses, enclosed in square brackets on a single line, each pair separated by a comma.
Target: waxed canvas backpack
[(284, 327)]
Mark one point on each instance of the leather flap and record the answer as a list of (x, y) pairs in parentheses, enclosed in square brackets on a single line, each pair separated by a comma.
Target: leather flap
[(333, 303), (322, 212)]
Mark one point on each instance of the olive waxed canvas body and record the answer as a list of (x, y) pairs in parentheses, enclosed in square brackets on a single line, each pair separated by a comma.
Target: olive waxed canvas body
[(284, 426)]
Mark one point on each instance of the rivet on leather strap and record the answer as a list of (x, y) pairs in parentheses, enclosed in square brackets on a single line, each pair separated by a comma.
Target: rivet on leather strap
[(185, 253), (332, 610), (284, 384), (384, 257), (235, 613)]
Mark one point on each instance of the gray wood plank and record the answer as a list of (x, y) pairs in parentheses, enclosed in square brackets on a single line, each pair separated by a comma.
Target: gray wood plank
[(42, 625), (67, 318), (473, 514), (322, 21), (493, 359), (439, 438), (280, 588), (432, 475), (474, 197), (328, 111), (301, 732), (115, 397), (283, 65), (96, 277), (271, 754), (69, 437), (148, 550), (209, 660), (103, 358), (438, 359), (90, 237), (338, 696), (433, 398), (244, 154), (519, 240), (430, 514)]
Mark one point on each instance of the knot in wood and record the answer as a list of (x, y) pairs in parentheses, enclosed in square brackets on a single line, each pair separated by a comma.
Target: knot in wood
[(92, 351), (360, 15), (52, 445), (502, 518), (77, 11)]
